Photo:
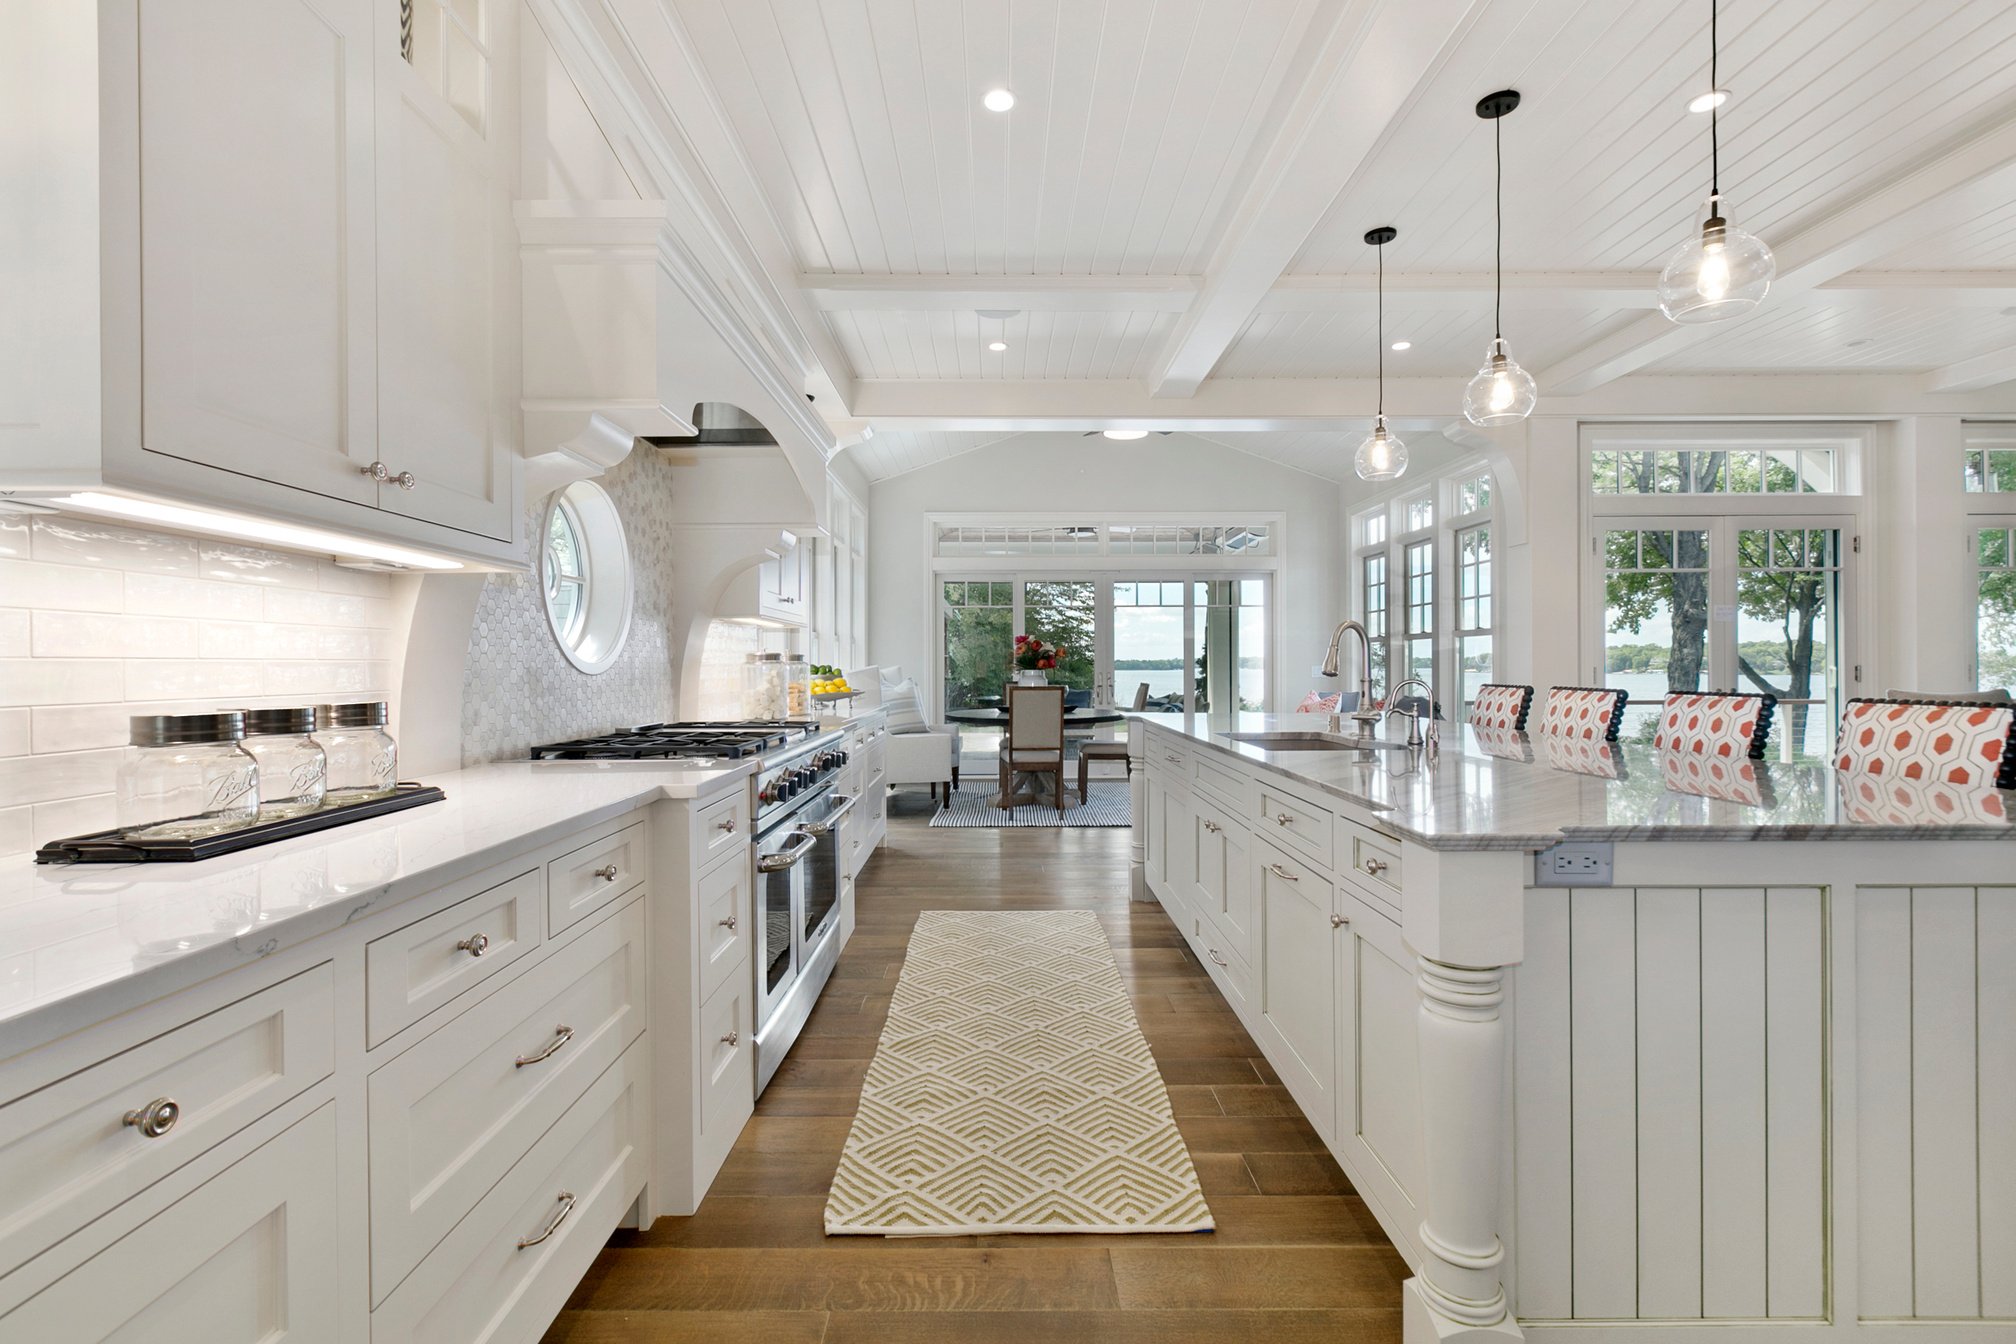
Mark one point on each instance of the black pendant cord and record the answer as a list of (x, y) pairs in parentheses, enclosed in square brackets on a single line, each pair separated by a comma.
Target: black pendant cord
[(1498, 297), (1382, 335), (1714, 103)]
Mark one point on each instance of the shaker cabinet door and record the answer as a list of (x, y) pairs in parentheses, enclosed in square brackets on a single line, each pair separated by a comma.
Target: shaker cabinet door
[(256, 239)]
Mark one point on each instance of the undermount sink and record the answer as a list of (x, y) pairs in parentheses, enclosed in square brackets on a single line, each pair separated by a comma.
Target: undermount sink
[(1306, 741)]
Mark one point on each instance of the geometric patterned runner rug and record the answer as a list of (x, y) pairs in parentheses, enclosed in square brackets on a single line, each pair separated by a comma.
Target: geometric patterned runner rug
[(1012, 1091), (1108, 806)]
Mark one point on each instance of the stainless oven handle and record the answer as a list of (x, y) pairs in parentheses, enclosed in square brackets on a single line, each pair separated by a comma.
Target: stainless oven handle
[(787, 857), (832, 821)]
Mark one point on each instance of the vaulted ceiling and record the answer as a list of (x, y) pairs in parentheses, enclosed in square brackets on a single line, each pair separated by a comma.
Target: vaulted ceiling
[(1168, 225)]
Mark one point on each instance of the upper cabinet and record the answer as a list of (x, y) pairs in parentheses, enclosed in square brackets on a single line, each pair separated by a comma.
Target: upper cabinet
[(776, 592), (259, 266)]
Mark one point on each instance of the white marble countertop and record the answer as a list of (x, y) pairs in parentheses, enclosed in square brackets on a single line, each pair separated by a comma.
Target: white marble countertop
[(68, 930), (1521, 792)]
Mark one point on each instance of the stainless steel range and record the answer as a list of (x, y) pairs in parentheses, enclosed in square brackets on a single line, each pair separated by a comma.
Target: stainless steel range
[(799, 823)]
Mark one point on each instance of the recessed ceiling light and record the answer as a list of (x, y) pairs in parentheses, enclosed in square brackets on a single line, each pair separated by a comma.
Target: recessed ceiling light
[(998, 100), (997, 346), (1709, 101), (1125, 433), (1401, 345)]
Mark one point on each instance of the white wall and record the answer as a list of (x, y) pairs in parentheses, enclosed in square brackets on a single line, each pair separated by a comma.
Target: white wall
[(1070, 478)]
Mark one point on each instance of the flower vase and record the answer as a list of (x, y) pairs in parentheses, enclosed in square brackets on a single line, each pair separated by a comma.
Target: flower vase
[(1031, 676)]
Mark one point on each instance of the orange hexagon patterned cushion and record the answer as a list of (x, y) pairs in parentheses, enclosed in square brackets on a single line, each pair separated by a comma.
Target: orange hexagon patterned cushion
[(1926, 742), (1591, 713), (1501, 708), (1719, 724)]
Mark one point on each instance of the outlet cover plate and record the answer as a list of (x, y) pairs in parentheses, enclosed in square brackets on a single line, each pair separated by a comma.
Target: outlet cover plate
[(1575, 864)]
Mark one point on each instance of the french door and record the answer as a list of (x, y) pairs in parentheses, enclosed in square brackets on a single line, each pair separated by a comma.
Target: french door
[(1170, 644), (1729, 602)]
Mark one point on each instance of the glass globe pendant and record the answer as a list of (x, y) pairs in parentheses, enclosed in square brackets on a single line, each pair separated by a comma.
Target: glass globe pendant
[(1382, 456), (1718, 273), (1501, 392)]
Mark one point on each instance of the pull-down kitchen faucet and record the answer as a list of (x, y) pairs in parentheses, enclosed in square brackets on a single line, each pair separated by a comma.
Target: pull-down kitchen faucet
[(1365, 714)]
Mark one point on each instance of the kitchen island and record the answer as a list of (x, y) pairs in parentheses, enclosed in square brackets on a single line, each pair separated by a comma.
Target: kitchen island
[(1612, 1040)]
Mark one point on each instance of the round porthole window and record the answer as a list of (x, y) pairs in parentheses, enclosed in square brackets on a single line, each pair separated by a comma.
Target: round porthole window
[(584, 569)]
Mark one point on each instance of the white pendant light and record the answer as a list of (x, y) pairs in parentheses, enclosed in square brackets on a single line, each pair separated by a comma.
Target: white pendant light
[(1381, 457), (1720, 272), (1502, 391)]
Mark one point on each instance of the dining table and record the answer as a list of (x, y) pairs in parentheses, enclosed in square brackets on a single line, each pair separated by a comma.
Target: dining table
[(1026, 787)]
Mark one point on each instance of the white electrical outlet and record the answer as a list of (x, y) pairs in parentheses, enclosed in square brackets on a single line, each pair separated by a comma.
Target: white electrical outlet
[(1570, 864)]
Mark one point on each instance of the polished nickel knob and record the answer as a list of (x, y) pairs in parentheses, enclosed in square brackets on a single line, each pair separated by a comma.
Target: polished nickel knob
[(475, 945), (1375, 866), (1283, 819), (405, 480), (729, 923), (732, 1039), (1339, 921), (728, 826), (154, 1119), (1212, 827), (607, 872), (377, 471)]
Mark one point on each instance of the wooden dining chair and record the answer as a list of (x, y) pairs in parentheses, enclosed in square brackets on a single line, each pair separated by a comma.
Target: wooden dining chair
[(1035, 744)]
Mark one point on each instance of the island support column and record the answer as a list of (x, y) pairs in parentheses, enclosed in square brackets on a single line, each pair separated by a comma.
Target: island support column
[(1137, 802), (1466, 926)]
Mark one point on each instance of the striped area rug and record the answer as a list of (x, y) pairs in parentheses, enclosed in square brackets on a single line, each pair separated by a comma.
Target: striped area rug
[(1012, 1091), (1108, 806)]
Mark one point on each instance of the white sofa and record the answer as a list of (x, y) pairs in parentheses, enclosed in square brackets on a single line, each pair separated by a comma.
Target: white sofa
[(913, 758)]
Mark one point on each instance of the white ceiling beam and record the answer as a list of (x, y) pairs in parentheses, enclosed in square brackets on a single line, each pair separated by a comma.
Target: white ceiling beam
[(1371, 65), (1963, 183), (966, 293), (1969, 375)]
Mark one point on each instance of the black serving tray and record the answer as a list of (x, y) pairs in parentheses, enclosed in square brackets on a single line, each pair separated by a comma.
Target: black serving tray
[(114, 847)]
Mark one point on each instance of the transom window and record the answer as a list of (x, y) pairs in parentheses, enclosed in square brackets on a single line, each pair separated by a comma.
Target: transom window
[(1474, 495), (1128, 539), (1990, 460), (1420, 513)]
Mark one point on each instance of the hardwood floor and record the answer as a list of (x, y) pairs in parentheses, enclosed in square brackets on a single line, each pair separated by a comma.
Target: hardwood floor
[(1296, 1257)]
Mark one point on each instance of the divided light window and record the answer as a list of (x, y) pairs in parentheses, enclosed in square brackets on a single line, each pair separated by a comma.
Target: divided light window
[(1995, 608), (1731, 470), (1375, 616), (1473, 495), (1473, 610), (1129, 539), (1990, 459), (1420, 561)]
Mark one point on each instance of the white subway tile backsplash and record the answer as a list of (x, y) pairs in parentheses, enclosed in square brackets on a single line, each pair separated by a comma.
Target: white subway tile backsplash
[(335, 578), (74, 816), (320, 679), (76, 634), (62, 539), (17, 830), (13, 537), (167, 595), (304, 608), (13, 633), (24, 583), (249, 564), (14, 737), (60, 681), (85, 727), (234, 639), (26, 780), (181, 679)]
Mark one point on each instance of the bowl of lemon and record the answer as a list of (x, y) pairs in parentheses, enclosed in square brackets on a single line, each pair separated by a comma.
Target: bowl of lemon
[(829, 685)]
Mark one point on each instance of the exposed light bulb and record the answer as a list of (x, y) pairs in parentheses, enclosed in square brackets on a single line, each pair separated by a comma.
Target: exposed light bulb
[(1501, 392), (1709, 101), (997, 346), (1712, 281), (1125, 434), (1382, 456), (998, 100), (1720, 272)]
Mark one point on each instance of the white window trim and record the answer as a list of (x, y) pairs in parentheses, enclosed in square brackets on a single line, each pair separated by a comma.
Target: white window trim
[(1442, 491), (605, 626), (1977, 523)]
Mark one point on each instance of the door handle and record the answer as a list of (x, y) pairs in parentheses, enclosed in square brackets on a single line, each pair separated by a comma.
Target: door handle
[(561, 1035), (566, 1207), (1279, 871), (1220, 960)]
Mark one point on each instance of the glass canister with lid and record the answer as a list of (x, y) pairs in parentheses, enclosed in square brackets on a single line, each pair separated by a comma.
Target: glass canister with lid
[(362, 759), (763, 686), (797, 687), (186, 776), (292, 765)]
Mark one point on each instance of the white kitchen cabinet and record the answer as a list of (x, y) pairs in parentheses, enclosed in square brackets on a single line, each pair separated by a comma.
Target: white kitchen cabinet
[(1297, 1009), (1221, 856), (245, 1258), (1378, 1112), (776, 592), (264, 277)]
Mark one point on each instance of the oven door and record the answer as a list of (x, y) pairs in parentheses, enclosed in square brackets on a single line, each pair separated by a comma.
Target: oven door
[(825, 818), (783, 854)]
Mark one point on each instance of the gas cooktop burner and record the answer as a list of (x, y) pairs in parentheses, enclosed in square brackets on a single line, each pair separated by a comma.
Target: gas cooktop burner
[(682, 741)]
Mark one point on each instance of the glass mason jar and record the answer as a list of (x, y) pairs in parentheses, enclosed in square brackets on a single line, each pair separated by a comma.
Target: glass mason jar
[(363, 760), (292, 766), (797, 687), (763, 686), (186, 776)]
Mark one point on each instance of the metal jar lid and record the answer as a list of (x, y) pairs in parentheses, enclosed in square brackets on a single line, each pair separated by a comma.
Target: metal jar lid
[(280, 722), (364, 714), (167, 730)]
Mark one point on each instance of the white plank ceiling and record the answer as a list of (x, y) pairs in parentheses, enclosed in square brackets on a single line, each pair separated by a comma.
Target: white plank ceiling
[(1159, 153)]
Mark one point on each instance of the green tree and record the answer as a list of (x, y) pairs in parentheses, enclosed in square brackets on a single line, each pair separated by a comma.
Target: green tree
[(1061, 612)]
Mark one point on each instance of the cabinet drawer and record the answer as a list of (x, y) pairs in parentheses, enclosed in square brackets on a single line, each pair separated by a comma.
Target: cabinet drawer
[(483, 1283), (1301, 826), (721, 826), (1164, 756), (1237, 790), (451, 1115), (724, 892), (595, 876), (726, 1051), (1374, 866), (77, 1148), (248, 1255), (412, 971), (1227, 969)]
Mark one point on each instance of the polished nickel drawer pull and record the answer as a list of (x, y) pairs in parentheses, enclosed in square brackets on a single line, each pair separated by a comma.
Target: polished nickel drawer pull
[(1283, 819), (1375, 866), (475, 944), (1173, 760), (607, 872), (728, 826), (1279, 871), (561, 1035), (1340, 921), (566, 1207), (732, 1039), (728, 923), (154, 1119), (1220, 960), (1213, 827)]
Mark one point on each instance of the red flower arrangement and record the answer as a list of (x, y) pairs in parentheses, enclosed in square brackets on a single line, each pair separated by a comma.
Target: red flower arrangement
[(1033, 655)]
